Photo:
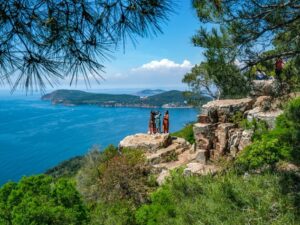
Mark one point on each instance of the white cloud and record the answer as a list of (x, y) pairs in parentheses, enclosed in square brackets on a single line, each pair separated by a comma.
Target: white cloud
[(163, 65), (157, 73)]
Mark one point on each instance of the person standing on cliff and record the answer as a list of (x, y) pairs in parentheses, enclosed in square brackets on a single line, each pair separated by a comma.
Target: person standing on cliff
[(152, 128), (158, 122), (166, 122), (278, 71), (278, 68)]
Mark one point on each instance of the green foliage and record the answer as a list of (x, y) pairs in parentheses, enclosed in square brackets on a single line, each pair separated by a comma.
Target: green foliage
[(217, 78), (41, 200), (237, 118), (67, 168), (125, 176), (88, 176), (267, 151), (187, 133), (225, 199), (43, 42), (258, 127), (267, 24), (114, 213), (281, 143), (232, 55)]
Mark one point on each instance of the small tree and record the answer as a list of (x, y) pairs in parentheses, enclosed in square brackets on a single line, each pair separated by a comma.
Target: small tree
[(41, 200)]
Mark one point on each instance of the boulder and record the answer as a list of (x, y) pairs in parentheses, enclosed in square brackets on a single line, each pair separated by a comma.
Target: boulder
[(195, 168), (234, 141), (246, 139), (146, 142), (263, 102), (223, 110), (222, 134), (204, 135), (201, 156), (203, 119), (263, 88), (268, 116)]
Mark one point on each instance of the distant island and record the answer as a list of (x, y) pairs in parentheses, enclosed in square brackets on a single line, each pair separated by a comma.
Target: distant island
[(166, 99), (150, 92)]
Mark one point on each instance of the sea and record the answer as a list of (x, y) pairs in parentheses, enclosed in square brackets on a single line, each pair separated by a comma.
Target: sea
[(36, 135)]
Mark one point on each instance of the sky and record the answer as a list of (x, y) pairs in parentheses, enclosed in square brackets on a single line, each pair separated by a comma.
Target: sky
[(161, 61), (156, 62)]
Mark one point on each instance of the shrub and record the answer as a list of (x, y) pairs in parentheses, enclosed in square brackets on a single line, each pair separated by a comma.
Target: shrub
[(88, 176), (228, 199), (67, 168), (113, 213), (187, 133), (281, 143), (267, 151), (41, 200)]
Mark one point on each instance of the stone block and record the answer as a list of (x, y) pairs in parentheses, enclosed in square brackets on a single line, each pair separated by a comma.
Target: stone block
[(202, 156), (246, 139), (203, 119), (146, 142), (223, 110)]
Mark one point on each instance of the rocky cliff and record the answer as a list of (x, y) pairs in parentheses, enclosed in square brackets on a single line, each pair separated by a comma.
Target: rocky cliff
[(217, 133)]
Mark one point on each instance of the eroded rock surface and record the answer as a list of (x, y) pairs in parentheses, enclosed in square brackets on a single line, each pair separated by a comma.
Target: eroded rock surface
[(146, 141), (263, 88), (223, 110), (268, 116)]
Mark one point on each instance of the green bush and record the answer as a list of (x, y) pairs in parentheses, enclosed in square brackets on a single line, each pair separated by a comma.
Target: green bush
[(281, 143), (225, 199), (41, 200), (113, 213), (267, 151), (67, 168), (187, 133)]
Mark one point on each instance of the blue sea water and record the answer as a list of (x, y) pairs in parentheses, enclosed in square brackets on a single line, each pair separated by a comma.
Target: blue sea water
[(35, 135)]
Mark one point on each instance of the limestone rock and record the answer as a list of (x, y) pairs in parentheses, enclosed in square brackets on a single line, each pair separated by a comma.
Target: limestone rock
[(246, 139), (234, 141), (146, 142), (178, 146), (194, 168), (201, 156), (263, 88), (223, 110), (222, 134), (203, 119), (204, 135), (263, 102), (268, 116)]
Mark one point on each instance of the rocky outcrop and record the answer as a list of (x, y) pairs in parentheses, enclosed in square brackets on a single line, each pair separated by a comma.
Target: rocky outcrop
[(216, 133), (223, 110), (146, 142), (263, 88), (268, 116), (165, 153)]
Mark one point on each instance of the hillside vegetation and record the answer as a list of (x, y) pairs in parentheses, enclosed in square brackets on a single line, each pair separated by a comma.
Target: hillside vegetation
[(261, 187)]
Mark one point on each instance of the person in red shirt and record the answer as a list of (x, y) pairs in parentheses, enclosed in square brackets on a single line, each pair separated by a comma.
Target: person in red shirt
[(166, 122), (278, 68)]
